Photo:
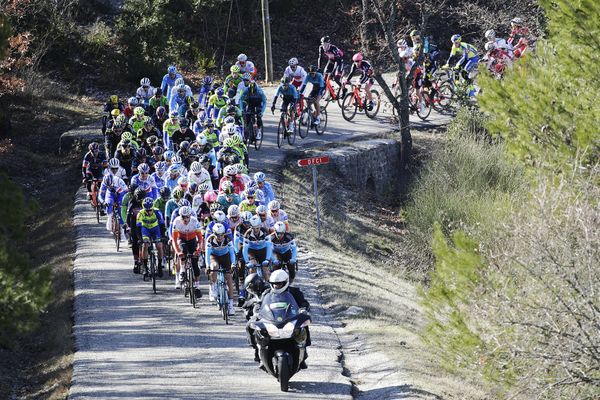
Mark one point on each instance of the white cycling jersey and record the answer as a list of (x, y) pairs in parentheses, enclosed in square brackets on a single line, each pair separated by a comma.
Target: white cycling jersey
[(249, 67), (121, 173), (188, 91), (186, 230), (204, 176), (281, 216), (145, 94), (298, 75)]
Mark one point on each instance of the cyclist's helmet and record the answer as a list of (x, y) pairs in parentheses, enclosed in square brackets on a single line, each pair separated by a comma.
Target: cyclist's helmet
[(179, 81), (219, 229), (401, 44), (139, 194), (148, 123), (293, 61), (201, 139), (455, 38), (235, 69), (325, 39), (185, 211), (229, 142), (114, 163), (246, 216), (255, 221), (261, 210), (311, 68), (204, 187), (259, 177), (208, 80), (285, 80), (172, 69), (141, 153), (414, 33), (357, 57), (183, 181), (148, 203), (126, 136), (184, 146), (158, 151), (279, 227), (254, 284), (231, 110), (279, 281), (168, 155), (233, 211), (246, 76), (252, 87), (144, 168), (517, 21), (183, 203), (178, 194), (490, 34), (181, 89), (160, 166), (94, 147), (176, 159), (242, 58), (132, 101), (274, 205), (220, 216), (210, 196), (145, 82), (214, 207), (152, 140), (160, 111), (115, 113), (229, 120), (174, 114), (220, 92)]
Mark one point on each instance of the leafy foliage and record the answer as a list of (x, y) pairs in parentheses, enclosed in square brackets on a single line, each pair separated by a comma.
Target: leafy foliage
[(546, 107), (24, 289)]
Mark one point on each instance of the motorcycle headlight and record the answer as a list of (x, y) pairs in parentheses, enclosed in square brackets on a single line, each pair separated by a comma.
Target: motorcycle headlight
[(272, 330), (287, 330)]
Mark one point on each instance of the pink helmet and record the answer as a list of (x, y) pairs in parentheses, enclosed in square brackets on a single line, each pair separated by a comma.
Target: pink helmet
[(357, 57), (210, 196)]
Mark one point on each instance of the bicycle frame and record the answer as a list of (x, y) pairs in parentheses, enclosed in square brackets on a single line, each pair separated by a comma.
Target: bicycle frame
[(356, 96)]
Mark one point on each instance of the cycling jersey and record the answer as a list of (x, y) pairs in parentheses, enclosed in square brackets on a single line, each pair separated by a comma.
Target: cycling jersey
[(215, 103), (232, 82), (149, 219), (93, 165), (254, 100), (267, 191), (256, 241), (136, 123), (168, 83), (160, 205), (288, 94), (245, 206), (148, 184), (332, 54), (169, 127), (199, 178), (145, 94), (203, 95), (219, 247), (238, 184), (297, 77), (189, 231), (222, 200), (365, 69), (248, 67), (316, 81), (268, 223), (179, 103), (112, 188), (283, 245), (466, 51), (161, 101)]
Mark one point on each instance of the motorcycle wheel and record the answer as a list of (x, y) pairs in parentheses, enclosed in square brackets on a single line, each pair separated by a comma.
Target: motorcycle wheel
[(284, 372)]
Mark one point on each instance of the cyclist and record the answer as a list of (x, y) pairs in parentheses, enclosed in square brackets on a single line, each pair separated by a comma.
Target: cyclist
[(230, 175), (289, 94), (183, 133), (234, 144), (246, 78), (146, 131), (499, 43), (497, 59), (365, 69), (238, 240), (229, 111), (220, 254), (267, 222), (112, 191), (254, 101), (188, 89), (124, 206), (193, 112), (125, 154), (278, 214), (144, 181), (204, 90), (257, 248), (335, 59), (160, 204), (150, 222), (228, 197), (296, 73), (160, 169), (114, 167), (246, 66), (168, 81), (284, 249), (172, 204), (158, 100), (249, 203), (114, 130), (180, 100), (264, 186), (187, 238), (216, 102), (160, 117), (210, 164), (318, 88), (93, 165), (232, 81), (519, 36), (113, 103), (132, 103), (468, 56), (145, 92), (198, 174), (169, 128), (173, 174), (133, 206)]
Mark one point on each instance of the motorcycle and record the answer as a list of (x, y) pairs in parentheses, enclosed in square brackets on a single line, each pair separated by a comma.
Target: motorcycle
[(281, 334)]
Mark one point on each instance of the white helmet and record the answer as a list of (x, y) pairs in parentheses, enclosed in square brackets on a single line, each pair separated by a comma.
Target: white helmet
[(233, 211), (255, 222), (114, 163), (279, 227), (229, 170), (279, 281), (220, 216), (176, 159), (490, 34), (489, 46), (274, 205), (181, 88), (145, 82), (185, 211), (246, 76), (231, 130), (201, 139), (293, 61), (196, 167), (204, 187), (516, 21), (408, 52), (197, 201), (401, 43), (219, 229), (261, 210), (183, 180), (179, 81), (229, 120), (242, 57)]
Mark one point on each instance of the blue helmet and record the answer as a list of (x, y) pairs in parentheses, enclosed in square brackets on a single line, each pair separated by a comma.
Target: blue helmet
[(259, 177), (172, 69), (208, 80), (455, 38), (148, 203), (220, 92)]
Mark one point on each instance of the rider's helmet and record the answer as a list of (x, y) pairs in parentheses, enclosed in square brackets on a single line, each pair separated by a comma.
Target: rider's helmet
[(184, 146), (220, 216), (132, 101), (220, 92), (185, 211), (139, 194), (229, 170), (178, 194), (259, 177), (174, 114), (490, 34), (489, 46), (237, 141), (115, 113), (114, 163), (179, 81), (148, 203), (279, 281), (255, 221), (176, 159), (246, 76), (229, 120), (261, 210), (357, 57), (172, 70), (94, 148), (285, 80), (181, 89), (201, 139), (165, 193), (157, 150), (145, 82), (455, 38), (293, 62), (183, 123), (183, 203), (229, 142), (140, 154), (160, 166), (311, 68), (183, 181), (254, 284), (235, 69), (127, 136), (252, 87), (231, 130), (196, 167), (168, 155), (204, 187), (246, 216), (210, 196), (242, 58), (208, 80), (143, 168), (160, 111), (233, 211), (325, 39), (401, 44), (219, 229), (139, 111), (114, 100), (274, 205), (518, 21), (148, 123), (279, 227)]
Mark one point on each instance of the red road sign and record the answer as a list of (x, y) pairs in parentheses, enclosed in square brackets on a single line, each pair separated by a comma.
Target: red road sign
[(307, 162)]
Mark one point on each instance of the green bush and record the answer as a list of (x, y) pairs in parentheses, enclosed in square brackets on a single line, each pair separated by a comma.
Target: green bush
[(24, 289)]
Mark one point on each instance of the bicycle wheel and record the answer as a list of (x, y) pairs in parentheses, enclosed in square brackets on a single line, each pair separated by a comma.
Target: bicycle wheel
[(376, 104), (445, 96), (320, 129), (349, 107), (304, 124), (236, 279), (153, 271), (191, 285), (423, 114), (116, 230), (225, 303), (291, 138), (340, 96), (248, 133), (257, 141), (280, 132)]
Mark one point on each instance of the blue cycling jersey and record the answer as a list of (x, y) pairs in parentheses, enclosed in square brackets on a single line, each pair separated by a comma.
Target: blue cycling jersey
[(316, 81)]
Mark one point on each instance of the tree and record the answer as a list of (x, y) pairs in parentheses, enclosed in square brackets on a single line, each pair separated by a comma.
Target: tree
[(546, 108)]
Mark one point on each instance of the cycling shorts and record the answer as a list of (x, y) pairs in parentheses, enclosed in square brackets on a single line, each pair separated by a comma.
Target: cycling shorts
[(189, 247), (471, 63), (332, 66), (286, 103), (257, 256), (283, 257), (223, 261), (151, 234)]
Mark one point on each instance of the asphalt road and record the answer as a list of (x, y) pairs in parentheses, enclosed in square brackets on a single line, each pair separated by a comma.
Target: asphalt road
[(131, 343)]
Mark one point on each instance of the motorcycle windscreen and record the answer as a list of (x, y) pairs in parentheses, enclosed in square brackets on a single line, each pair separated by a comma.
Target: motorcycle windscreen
[(279, 308)]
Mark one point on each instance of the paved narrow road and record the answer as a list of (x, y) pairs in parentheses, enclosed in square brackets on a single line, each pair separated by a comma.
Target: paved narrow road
[(133, 344)]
